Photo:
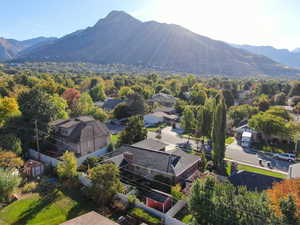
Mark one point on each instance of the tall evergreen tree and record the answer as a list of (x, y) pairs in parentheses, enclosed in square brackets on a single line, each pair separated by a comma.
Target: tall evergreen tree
[(218, 135)]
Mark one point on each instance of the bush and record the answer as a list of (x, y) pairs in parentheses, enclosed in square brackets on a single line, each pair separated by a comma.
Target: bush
[(29, 187), (141, 214)]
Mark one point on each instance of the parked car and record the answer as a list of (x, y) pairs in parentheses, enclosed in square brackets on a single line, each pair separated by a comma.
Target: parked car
[(286, 156)]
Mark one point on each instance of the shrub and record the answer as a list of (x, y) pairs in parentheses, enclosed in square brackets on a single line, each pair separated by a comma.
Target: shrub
[(139, 213), (29, 187)]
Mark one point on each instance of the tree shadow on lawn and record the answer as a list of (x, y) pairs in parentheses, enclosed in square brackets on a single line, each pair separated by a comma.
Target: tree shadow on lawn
[(33, 211), (83, 205)]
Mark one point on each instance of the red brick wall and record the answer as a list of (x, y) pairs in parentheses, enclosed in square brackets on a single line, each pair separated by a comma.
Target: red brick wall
[(163, 207)]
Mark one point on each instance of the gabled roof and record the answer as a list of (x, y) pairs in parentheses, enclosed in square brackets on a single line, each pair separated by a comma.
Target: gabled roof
[(78, 124), (150, 144), (174, 162), (91, 218)]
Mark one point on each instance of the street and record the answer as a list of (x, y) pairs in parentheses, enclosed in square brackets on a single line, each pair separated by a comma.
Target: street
[(234, 151)]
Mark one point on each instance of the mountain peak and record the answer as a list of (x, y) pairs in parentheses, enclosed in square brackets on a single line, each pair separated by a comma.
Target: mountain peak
[(118, 16)]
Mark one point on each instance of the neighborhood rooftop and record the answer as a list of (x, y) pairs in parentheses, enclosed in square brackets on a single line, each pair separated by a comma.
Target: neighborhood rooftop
[(150, 144), (175, 162), (91, 218)]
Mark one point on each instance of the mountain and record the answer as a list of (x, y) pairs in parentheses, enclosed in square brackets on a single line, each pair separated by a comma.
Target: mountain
[(121, 39), (297, 50), (10, 48), (284, 56)]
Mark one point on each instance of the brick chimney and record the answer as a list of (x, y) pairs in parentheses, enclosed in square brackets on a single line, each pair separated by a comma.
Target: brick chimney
[(128, 156)]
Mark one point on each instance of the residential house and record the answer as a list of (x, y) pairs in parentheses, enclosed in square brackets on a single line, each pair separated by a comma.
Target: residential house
[(163, 99), (33, 168), (153, 119), (174, 166), (81, 135), (91, 218)]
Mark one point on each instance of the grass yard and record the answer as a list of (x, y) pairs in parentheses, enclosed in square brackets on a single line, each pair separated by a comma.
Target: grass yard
[(261, 171), (52, 209)]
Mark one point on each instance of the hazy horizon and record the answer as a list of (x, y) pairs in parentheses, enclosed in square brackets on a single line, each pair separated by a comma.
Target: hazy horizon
[(255, 22)]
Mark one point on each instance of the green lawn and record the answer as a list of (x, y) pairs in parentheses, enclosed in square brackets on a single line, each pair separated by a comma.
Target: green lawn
[(51, 209), (261, 171)]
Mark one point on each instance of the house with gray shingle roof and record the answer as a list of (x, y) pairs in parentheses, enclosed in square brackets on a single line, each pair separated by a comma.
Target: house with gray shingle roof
[(175, 165), (81, 135)]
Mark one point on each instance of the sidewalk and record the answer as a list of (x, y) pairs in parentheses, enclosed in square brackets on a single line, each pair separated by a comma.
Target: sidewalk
[(258, 167)]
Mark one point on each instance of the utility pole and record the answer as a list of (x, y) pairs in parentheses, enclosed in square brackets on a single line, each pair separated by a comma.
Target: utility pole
[(37, 139)]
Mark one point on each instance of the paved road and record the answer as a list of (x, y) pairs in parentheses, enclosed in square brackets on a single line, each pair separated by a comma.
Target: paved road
[(236, 152), (233, 151)]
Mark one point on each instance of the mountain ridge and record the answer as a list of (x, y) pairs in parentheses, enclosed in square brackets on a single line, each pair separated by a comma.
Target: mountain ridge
[(284, 56), (122, 39)]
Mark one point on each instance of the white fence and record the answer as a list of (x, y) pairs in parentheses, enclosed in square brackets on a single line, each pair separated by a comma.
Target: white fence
[(44, 158), (98, 153), (53, 161)]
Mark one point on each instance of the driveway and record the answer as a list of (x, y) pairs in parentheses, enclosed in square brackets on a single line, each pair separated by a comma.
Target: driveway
[(237, 153)]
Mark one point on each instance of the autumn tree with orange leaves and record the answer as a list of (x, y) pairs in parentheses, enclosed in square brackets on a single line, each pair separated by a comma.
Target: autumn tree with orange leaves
[(281, 191), (72, 96)]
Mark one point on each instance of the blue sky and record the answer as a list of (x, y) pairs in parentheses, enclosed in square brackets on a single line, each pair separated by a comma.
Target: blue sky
[(257, 22)]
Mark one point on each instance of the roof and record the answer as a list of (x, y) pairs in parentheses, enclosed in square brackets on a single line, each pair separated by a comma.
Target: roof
[(91, 218), (78, 124), (174, 162), (156, 195), (163, 115), (294, 171), (111, 103), (165, 109), (32, 163), (253, 181), (163, 98), (150, 144)]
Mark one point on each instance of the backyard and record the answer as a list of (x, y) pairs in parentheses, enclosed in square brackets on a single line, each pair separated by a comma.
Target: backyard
[(54, 208)]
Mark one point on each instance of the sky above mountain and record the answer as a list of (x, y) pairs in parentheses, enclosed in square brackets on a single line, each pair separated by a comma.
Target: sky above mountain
[(255, 22)]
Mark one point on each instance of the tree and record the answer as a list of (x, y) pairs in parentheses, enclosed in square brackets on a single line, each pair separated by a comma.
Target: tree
[(84, 106), (134, 132), (198, 95), (280, 112), (217, 203), (262, 102), (295, 90), (229, 98), (67, 168), (218, 136), (281, 191), (9, 181), (39, 105), (241, 112), (289, 210), (97, 93), (10, 160), (188, 120), (176, 192), (268, 124), (280, 99), (105, 183), (11, 143), (72, 96), (125, 92), (9, 108)]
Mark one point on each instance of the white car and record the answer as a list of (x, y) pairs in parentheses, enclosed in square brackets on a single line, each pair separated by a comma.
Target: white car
[(286, 156)]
